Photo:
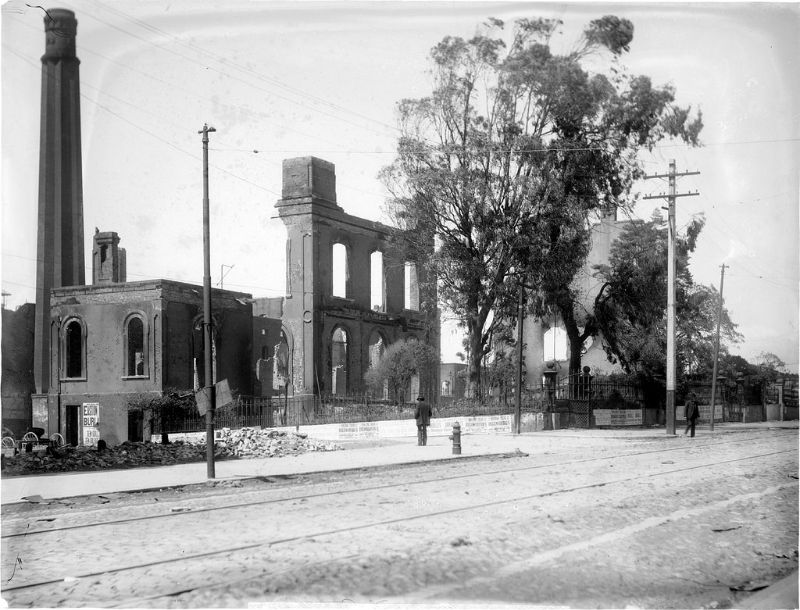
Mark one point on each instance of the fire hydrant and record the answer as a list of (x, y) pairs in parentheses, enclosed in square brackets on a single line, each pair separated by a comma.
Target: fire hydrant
[(456, 438)]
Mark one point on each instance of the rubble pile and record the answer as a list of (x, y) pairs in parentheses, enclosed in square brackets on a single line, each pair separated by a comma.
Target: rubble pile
[(232, 444), (252, 443)]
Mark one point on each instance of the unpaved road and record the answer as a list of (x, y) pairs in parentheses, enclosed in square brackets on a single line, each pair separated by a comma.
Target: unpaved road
[(596, 522)]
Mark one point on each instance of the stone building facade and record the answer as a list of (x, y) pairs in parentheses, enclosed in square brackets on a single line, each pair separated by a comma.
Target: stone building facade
[(115, 342)]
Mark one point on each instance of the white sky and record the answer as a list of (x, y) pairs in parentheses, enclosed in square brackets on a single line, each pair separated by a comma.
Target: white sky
[(322, 79)]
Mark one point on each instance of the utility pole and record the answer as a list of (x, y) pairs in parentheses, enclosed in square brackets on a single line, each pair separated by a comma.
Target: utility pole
[(670, 197), (716, 347), (208, 382), (520, 322), (222, 273)]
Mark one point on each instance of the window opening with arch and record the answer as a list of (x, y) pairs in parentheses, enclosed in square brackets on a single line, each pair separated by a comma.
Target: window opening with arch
[(339, 362), (376, 348), (377, 282), (135, 347), (340, 270), (74, 350), (411, 295)]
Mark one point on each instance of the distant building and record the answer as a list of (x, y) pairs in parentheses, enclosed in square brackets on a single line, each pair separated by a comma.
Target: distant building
[(453, 380), (545, 339)]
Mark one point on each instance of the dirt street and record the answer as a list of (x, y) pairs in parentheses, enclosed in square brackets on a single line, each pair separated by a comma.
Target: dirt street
[(595, 522)]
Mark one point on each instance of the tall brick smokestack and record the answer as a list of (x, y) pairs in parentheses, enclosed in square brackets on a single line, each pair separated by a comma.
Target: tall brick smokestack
[(59, 252)]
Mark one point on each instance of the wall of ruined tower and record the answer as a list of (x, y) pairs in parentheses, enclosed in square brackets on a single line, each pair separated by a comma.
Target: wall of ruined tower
[(314, 223)]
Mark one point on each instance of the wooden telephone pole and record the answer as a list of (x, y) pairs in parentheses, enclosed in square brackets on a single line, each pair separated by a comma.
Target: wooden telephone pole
[(716, 347), (670, 197)]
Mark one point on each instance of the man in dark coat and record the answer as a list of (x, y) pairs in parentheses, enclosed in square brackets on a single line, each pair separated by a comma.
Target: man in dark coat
[(423, 417), (692, 413)]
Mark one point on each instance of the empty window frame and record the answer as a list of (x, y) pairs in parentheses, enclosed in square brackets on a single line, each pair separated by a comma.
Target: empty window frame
[(411, 296), (339, 362), (135, 342), (377, 282), (340, 270), (74, 350)]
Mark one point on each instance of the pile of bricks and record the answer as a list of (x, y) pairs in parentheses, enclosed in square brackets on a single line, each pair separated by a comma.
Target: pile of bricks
[(252, 443), (244, 443)]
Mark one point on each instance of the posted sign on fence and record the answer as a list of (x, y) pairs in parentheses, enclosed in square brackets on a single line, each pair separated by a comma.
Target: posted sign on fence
[(618, 417)]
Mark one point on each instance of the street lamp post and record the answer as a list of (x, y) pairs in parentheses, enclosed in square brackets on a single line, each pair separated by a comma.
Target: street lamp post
[(208, 382)]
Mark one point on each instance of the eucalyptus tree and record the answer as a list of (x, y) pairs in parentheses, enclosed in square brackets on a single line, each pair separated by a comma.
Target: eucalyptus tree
[(630, 308), (504, 162)]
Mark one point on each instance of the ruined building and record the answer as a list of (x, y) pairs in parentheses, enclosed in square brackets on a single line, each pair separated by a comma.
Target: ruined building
[(349, 291), (97, 347)]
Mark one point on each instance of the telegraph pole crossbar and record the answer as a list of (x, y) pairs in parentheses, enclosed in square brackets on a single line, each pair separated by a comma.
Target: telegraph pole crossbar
[(671, 196)]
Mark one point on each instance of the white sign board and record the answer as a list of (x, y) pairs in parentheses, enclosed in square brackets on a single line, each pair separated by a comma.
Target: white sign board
[(90, 436), (91, 414), (618, 417)]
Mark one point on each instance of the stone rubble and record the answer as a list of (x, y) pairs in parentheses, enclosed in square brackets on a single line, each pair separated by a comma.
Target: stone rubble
[(246, 443)]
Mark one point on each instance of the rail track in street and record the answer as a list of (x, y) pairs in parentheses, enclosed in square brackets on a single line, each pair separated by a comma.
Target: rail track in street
[(27, 531), (491, 494)]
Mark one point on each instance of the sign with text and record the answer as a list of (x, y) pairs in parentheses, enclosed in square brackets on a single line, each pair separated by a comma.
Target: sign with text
[(91, 414), (90, 436), (618, 417)]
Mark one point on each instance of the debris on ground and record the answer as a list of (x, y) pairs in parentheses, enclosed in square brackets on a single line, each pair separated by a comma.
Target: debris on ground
[(253, 443), (245, 443)]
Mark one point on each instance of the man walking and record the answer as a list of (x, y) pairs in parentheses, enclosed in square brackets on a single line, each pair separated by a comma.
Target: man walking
[(423, 417), (692, 413)]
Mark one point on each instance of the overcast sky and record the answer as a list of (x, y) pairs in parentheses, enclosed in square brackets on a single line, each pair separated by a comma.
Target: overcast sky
[(297, 79)]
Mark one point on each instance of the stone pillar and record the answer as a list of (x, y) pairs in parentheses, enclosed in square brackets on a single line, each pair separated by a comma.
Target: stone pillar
[(309, 186), (60, 256)]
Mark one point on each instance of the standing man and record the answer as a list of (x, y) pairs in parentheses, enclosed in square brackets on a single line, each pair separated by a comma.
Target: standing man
[(692, 413), (423, 417)]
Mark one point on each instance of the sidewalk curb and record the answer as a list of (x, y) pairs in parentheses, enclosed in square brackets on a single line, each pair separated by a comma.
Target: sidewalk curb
[(506, 454)]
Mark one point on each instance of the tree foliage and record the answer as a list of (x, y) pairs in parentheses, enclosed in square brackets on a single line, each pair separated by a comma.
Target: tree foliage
[(630, 309), (401, 361), (503, 162), (164, 411)]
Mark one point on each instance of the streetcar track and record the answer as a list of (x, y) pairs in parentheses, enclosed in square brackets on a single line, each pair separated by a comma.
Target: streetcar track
[(351, 491), (385, 522)]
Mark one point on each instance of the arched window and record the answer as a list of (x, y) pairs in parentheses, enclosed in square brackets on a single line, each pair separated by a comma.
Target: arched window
[(135, 353), (339, 362), (411, 300), (377, 345), (340, 270), (377, 282), (74, 350)]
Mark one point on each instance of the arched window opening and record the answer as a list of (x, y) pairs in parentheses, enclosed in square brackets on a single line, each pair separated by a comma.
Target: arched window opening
[(134, 335), (339, 362), (411, 300), (447, 389), (280, 364), (555, 344), (377, 282), (340, 270), (377, 346), (73, 350)]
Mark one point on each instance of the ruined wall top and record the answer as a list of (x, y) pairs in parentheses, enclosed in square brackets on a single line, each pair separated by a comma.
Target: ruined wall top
[(309, 177), (60, 28)]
